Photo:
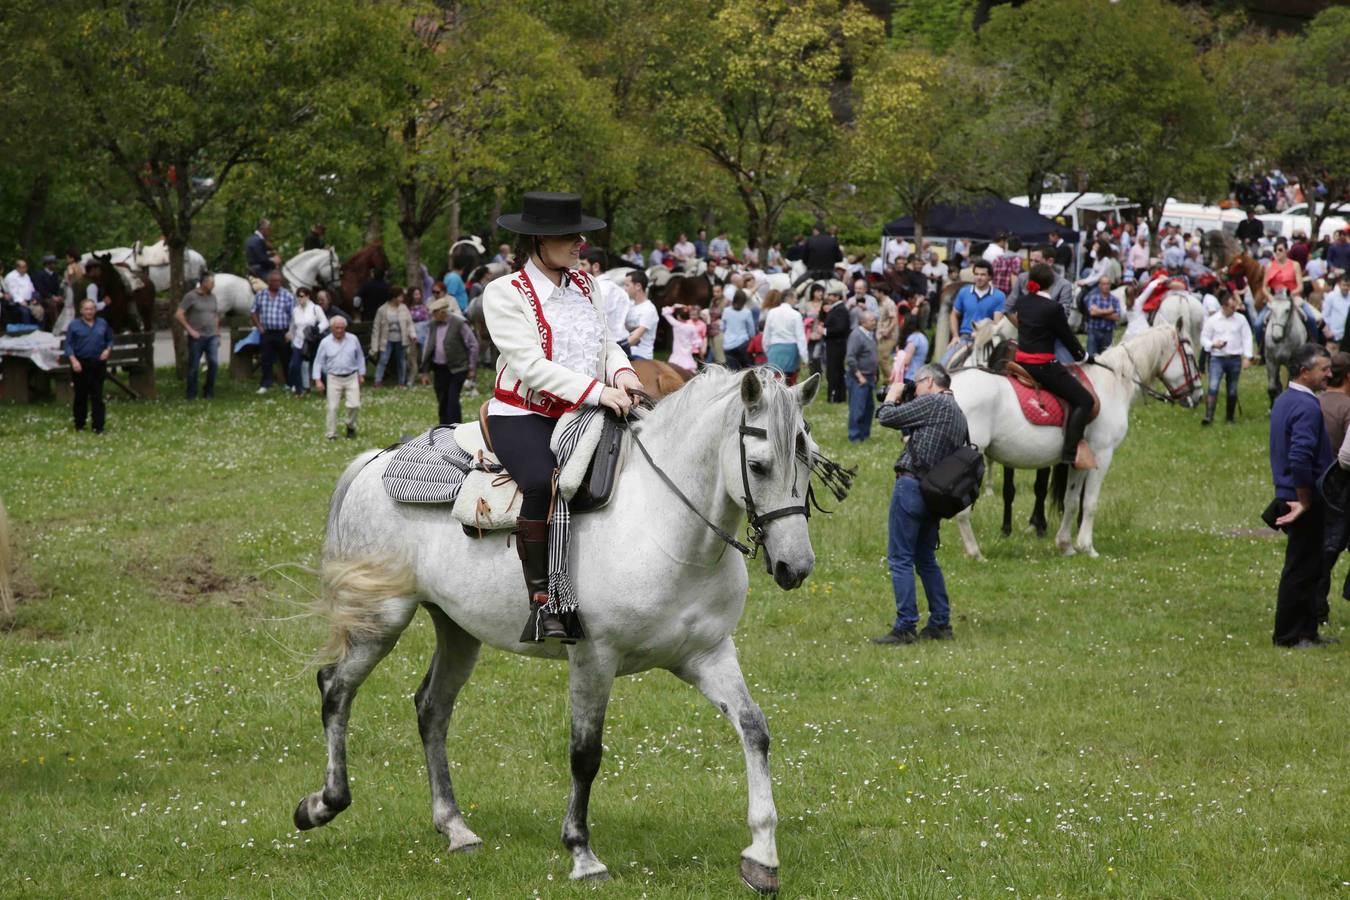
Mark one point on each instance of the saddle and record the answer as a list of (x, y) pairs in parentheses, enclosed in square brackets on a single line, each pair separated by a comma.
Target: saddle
[(456, 465), (1039, 405)]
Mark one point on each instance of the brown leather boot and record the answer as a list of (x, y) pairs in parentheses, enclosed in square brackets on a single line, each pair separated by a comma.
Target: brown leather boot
[(532, 546)]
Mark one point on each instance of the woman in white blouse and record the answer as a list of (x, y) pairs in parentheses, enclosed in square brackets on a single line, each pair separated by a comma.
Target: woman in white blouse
[(547, 320), (306, 315), (784, 333)]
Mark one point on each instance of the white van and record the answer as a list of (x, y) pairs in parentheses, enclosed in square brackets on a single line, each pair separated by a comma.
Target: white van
[(1195, 217), (1296, 218)]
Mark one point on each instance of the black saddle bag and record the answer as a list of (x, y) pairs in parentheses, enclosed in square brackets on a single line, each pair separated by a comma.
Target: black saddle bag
[(598, 486)]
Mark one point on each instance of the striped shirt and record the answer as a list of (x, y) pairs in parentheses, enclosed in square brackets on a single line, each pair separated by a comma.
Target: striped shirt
[(274, 310), (1006, 269)]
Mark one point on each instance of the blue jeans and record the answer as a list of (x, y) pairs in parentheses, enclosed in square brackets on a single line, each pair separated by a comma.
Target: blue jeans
[(395, 353), (1219, 366), (861, 402), (913, 545), (962, 341), (297, 373), (1099, 341), (209, 345)]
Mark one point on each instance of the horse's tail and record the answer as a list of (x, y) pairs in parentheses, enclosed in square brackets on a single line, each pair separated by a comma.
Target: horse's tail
[(6, 561), (354, 589), (1059, 485)]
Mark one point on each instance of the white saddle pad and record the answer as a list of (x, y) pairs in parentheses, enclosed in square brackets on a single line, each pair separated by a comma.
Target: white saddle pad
[(487, 498)]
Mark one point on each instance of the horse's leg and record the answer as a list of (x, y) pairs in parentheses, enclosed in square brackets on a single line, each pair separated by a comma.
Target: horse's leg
[(717, 674), (1091, 492), (1272, 379), (1009, 493), (968, 541), (338, 684), (1037, 520), (1072, 492), (451, 665), (592, 677)]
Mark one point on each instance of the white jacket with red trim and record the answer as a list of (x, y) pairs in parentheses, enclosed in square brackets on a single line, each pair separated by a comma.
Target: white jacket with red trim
[(527, 376)]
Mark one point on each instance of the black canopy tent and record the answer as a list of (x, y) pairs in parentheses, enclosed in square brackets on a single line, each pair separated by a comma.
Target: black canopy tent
[(981, 220)]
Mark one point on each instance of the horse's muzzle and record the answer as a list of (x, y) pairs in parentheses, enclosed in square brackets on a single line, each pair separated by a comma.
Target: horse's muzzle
[(788, 577)]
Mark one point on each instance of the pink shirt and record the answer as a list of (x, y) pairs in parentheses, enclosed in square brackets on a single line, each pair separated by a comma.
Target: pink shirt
[(686, 336)]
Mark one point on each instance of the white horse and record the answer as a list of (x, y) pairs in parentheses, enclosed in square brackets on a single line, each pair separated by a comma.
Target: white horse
[(657, 589), (313, 269), (234, 295), (1286, 331), (131, 264), (999, 428), (1185, 308)]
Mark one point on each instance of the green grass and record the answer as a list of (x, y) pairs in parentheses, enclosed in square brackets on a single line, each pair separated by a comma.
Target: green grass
[(1111, 727)]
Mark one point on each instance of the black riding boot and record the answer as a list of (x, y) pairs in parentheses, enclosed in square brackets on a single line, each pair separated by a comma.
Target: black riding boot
[(532, 545), (1230, 409), (1074, 426), (1210, 402)]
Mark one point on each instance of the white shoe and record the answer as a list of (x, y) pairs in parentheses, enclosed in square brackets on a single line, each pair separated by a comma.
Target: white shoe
[(260, 391)]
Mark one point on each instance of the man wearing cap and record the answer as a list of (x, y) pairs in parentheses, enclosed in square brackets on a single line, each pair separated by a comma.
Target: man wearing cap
[(451, 356)]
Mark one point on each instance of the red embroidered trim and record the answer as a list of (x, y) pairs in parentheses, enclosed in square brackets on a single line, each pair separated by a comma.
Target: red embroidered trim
[(524, 285)]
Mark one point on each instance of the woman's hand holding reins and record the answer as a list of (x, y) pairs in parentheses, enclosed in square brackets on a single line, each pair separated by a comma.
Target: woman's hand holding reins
[(616, 400)]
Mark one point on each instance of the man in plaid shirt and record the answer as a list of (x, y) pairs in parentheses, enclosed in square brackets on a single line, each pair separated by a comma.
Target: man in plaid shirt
[(272, 317), (1008, 266)]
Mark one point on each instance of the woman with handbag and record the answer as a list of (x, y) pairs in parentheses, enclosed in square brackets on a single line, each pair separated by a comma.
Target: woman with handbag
[(308, 323), (547, 320)]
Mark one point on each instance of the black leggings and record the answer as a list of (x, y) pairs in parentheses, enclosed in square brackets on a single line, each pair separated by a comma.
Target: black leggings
[(1057, 380), (522, 445)]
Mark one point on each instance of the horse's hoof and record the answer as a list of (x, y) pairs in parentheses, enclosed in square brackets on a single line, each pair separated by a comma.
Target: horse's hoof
[(472, 846), (1006, 531), (304, 817), (1068, 551), (759, 878)]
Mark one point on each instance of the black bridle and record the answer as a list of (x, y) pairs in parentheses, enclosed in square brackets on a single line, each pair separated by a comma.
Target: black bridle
[(834, 476)]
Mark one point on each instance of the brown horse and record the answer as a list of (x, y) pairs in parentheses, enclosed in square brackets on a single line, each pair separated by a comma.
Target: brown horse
[(659, 379), (1251, 272), (120, 301), (356, 272)]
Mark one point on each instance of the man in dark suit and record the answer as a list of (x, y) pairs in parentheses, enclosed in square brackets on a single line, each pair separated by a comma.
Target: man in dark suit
[(259, 258), (314, 240), (1300, 452), (1062, 255), (821, 253)]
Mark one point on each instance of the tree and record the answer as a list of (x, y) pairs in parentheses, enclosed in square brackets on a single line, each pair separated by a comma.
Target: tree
[(906, 145), (178, 96), (754, 94)]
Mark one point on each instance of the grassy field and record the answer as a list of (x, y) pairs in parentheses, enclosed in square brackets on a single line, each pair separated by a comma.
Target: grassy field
[(1112, 727)]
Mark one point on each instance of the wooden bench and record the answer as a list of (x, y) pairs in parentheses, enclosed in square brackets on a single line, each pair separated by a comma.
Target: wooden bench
[(133, 353), (244, 364)]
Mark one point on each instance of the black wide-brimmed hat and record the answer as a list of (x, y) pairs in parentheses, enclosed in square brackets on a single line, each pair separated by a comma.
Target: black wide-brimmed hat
[(547, 213)]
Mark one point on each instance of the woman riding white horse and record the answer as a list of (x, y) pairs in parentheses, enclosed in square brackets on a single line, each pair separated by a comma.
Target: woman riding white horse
[(548, 324)]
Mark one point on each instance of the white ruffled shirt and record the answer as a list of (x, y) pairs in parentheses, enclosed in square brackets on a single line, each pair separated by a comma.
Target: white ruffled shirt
[(577, 333)]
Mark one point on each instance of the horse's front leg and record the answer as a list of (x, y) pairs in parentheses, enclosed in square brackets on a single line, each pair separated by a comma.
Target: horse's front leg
[(1072, 493), (1091, 492), (592, 678), (717, 674), (1037, 520)]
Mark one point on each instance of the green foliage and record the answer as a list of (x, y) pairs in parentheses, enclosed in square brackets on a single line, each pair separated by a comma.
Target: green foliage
[(934, 24)]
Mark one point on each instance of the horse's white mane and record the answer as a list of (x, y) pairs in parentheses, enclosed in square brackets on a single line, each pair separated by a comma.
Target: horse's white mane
[(715, 385), (1151, 344)]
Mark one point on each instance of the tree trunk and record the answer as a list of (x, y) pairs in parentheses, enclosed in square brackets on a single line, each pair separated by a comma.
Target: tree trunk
[(33, 209), (754, 222), (177, 288), (413, 260), (452, 231), (374, 225), (498, 199)]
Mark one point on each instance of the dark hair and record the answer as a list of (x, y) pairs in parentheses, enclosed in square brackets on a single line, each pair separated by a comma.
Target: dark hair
[(1014, 243), (1045, 250), (738, 299), (463, 259), (681, 313), (1043, 274), (982, 264), (524, 246), (1305, 357), (638, 277), (395, 291), (1340, 368), (811, 295)]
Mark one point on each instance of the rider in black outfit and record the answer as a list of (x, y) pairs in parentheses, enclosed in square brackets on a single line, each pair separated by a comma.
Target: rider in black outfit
[(1040, 321)]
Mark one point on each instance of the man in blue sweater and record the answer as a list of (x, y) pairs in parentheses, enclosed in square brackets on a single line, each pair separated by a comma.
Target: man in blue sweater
[(1300, 451)]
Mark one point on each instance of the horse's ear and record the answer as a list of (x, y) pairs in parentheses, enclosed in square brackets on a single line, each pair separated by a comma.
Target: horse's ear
[(752, 390), (807, 390)]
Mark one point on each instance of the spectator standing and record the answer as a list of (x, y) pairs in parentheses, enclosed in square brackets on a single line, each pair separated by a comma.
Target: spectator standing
[(1338, 254), (421, 317), (88, 345), (1300, 450), (1227, 338), (995, 249), (616, 301), (339, 360), (1061, 254), (1138, 258), (935, 270), (933, 426), (1104, 311), (1335, 400), (838, 327), (642, 316), (450, 354), (973, 304), (701, 244), (861, 365), (685, 337), (462, 262), (784, 334), (308, 323), (199, 315), (390, 336), (861, 301), (913, 352), (1335, 309), (1007, 267), (888, 331), (375, 293), (738, 327), (272, 310)]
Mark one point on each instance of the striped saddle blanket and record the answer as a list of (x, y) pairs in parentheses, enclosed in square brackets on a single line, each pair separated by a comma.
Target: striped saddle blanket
[(452, 464)]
